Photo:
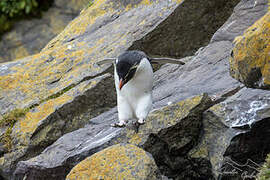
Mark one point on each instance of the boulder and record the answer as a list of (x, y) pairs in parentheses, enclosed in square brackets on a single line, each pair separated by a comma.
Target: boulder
[(187, 29), (47, 122), (206, 71), (29, 36), (121, 161), (243, 16), (236, 133), (250, 59)]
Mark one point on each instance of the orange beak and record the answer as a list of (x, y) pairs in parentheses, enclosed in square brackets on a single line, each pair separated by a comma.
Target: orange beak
[(121, 84)]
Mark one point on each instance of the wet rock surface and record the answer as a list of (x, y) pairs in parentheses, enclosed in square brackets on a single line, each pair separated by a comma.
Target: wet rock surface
[(236, 134)]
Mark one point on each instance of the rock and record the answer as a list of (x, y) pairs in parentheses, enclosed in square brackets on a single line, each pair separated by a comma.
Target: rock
[(28, 37), (250, 60), (122, 161), (190, 27), (264, 171), (208, 71), (164, 127), (236, 132), (47, 122), (243, 16)]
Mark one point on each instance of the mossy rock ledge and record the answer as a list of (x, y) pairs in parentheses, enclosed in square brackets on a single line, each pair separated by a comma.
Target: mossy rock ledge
[(250, 61), (121, 161), (186, 139)]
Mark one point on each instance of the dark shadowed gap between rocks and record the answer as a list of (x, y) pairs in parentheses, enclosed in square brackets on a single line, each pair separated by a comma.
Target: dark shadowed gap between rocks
[(188, 28), (247, 152), (170, 147)]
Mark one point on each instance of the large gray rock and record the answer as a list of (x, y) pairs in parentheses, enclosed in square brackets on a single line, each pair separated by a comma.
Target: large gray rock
[(236, 132), (190, 27), (64, 74), (245, 14)]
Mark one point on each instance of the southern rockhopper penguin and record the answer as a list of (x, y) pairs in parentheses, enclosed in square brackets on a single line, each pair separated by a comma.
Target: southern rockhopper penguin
[(133, 74)]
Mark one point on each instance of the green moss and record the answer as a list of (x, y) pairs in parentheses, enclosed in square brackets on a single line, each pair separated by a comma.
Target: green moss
[(9, 120), (54, 96), (90, 3), (4, 24), (11, 11), (265, 170), (17, 7)]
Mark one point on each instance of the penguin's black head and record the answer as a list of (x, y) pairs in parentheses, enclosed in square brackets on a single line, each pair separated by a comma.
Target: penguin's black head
[(126, 65)]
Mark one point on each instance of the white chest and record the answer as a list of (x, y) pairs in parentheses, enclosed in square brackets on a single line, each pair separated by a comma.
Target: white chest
[(139, 86)]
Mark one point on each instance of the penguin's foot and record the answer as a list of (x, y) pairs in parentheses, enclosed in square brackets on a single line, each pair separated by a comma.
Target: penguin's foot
[(120, 124), (138, 123)]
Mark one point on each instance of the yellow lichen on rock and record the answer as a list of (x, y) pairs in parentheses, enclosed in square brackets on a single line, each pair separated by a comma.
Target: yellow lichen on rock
[(27, 126), (67, 58), (79, 26), (165, 117), (20, 52), (250, 61), (146, 2), (122, 161)]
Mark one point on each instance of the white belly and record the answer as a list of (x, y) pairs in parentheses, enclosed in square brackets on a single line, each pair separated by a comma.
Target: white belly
[(136, 94)]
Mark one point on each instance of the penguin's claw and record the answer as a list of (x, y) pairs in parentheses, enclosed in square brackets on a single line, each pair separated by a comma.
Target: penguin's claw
[(137, 125), (118, 125)]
